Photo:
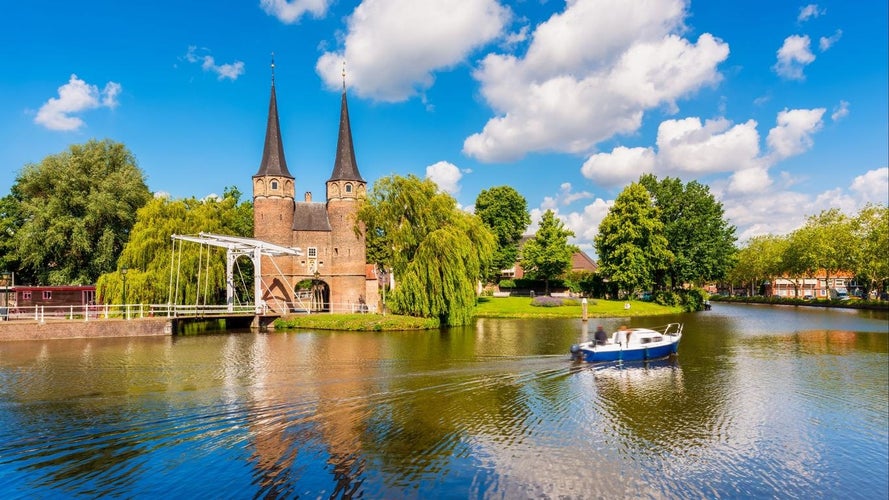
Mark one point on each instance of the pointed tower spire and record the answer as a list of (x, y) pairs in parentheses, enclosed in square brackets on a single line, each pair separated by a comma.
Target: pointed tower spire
[(273, 161), (345, 167)]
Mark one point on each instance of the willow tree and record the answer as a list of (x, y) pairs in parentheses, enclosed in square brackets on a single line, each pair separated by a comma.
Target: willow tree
[(437, 252), (631, 244), (68, 217), (155, 274)]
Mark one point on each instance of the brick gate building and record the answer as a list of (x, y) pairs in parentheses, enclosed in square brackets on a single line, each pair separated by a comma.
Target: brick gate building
[(332, 272)]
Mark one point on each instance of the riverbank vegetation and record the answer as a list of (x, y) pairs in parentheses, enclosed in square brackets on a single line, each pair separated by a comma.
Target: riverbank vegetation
[(356, 322), (829, 244), (525, 307), (880, 305)]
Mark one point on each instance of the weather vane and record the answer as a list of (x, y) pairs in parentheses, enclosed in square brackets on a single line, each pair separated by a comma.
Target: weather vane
[(273, 68), (344, 75)]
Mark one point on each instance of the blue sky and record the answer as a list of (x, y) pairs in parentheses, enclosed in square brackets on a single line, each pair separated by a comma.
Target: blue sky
[(780, 107)]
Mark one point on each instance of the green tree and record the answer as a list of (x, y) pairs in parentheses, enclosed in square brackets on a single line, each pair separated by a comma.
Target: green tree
[(547, 255), (70, 215), (156, 275), (823, 243), (631, 244), (870, 252), (760, 260), (505, 212), (437, 252), (699, 237)]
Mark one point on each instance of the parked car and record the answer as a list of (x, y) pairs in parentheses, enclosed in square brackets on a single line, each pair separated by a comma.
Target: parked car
[(808, 297)]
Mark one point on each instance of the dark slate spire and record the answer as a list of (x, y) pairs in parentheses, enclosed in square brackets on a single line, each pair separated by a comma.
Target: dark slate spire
[(273, 162), (345, 167)]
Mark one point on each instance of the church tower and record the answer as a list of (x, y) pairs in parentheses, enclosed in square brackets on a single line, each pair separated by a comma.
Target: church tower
[(345, 190), (273, 186)]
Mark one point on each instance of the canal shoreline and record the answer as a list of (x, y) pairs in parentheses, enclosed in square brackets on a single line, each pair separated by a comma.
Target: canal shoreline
[(97, 328)]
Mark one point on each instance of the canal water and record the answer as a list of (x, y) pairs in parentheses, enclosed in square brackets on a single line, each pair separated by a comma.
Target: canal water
[(762, 402)]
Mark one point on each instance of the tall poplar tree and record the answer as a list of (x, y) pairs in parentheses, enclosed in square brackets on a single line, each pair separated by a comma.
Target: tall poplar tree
[(505, 212), (547, 255), (631, 244), (437, 252)]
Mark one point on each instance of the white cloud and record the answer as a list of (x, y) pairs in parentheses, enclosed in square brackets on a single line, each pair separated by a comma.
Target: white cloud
[(290, 11), (872, 186), (687, 146), (446, 175), (793, 133), (566, 196), (229, 70), (793, 56), (590, 73), (841, 111), (74, 97), (393, 47), (825, 43), (810, 11), (622, 165)]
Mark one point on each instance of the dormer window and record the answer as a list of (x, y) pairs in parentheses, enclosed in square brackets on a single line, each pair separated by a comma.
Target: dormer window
[(274, 185), (348, 188)]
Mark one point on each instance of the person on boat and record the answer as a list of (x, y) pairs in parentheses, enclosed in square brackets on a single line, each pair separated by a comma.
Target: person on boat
[(622, 336), (600, 336)]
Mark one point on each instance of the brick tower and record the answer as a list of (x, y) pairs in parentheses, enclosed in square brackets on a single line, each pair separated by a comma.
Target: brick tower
[(334, 255), (273, 203)]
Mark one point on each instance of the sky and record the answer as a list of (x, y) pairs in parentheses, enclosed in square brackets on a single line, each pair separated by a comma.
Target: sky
[(779, 107)]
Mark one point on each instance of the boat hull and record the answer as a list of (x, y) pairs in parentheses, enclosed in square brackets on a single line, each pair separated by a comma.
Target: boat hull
[(607, 353)]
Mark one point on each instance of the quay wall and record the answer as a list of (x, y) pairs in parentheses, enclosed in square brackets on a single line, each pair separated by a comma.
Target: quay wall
[(34, 330)]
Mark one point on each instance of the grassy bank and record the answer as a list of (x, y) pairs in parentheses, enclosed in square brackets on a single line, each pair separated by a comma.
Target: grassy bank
[(520, 307), (488, 307), (355, 322)]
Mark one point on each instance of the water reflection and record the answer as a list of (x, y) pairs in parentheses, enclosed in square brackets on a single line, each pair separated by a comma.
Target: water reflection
[(496, 409)]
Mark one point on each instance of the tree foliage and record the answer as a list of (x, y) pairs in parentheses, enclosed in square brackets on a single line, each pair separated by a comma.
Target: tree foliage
[(699, 237), (68, 217), (436, 251), (631, 244), (156, 275), (505, 212), (547, 255), (870, 248)]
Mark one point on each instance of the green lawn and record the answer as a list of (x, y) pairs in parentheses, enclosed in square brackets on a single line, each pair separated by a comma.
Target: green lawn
[(488, 307), (520, 307)]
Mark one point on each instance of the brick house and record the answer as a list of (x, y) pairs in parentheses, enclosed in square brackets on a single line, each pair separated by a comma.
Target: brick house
[(334, 255), (817, 286)]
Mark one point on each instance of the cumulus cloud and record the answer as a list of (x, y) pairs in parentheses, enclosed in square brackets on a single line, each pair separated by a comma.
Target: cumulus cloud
[(810, 11), (229, 70), (446, 175), (793, 56), (566, 196), (590, 72), (290, 11), (75, 96), (793, 133), (872, 186), (825, 43), (620, 166), (394, 47)]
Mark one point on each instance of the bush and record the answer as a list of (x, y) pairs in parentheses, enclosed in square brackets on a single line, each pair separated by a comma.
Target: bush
[(546, 301), (506, 284), (693, 300)]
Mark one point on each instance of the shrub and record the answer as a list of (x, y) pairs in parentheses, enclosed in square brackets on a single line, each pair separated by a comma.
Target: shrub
[(546, 301), (693, 300), (506, 284)]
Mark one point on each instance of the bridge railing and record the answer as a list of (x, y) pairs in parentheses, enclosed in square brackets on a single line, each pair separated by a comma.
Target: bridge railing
[(43, 313)]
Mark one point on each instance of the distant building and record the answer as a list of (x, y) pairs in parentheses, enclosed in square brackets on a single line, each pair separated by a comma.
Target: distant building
[(334, 262), (580, 261), (818, 286), (49, 296)]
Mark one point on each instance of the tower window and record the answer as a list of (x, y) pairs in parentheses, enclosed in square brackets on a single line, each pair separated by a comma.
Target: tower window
[(274, 185), (348, 188), (313, 252)]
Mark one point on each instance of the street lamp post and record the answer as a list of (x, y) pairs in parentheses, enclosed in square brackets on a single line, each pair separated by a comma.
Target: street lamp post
[(123, 275)]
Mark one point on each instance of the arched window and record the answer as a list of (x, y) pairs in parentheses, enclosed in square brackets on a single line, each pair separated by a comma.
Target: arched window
[(274, 185), (348, 188)]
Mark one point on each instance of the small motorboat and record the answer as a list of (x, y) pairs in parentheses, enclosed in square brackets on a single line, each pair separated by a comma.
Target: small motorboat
[(631, 344)]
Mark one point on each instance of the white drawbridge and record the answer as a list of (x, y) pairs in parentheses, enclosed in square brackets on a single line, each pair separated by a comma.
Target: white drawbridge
[(236, 247)]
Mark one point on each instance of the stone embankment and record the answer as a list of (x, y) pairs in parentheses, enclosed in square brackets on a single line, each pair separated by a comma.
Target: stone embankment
[(35, 330)]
